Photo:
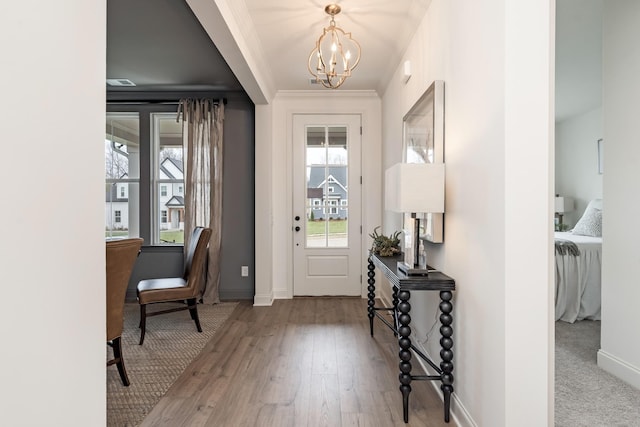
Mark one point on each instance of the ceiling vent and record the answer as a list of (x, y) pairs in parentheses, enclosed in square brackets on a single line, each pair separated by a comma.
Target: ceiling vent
[(120, 82)]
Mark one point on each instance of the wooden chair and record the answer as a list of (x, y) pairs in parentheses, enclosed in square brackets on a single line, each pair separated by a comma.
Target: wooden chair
[(121, 257), (177, 289)]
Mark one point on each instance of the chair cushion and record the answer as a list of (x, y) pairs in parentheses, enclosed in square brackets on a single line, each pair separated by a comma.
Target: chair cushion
[(165, 289), (164, 283)]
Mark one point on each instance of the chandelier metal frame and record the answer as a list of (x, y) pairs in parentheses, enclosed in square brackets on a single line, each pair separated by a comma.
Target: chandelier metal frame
[(332, 59)]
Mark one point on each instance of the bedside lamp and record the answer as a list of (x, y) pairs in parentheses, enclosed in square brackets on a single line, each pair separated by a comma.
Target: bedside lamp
[(563, 204), (414, 188)]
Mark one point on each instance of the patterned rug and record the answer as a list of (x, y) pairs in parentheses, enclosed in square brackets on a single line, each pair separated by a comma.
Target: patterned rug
[(170, 344)]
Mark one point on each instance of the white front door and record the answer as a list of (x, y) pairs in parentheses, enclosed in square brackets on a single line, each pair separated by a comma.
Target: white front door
[(326, 205)]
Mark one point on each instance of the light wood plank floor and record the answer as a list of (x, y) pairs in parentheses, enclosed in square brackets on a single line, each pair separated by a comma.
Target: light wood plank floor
[(301, 362)]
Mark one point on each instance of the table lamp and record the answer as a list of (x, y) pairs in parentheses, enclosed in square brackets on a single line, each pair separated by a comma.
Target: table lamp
[(563, 204), (414, 188)]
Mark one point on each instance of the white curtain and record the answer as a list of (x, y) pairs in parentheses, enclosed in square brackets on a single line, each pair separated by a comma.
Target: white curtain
[(202, 123)]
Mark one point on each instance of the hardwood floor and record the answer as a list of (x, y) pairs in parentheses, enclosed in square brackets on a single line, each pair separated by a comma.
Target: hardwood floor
[(301, 362)]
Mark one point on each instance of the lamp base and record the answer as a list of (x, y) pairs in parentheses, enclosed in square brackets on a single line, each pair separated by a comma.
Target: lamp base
[(414, 271)]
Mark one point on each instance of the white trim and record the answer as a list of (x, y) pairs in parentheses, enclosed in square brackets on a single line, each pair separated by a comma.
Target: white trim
[(619, 368), (263, 300), (277, 121)]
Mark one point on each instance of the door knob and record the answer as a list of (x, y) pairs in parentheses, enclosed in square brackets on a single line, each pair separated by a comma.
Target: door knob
[(297, 228)]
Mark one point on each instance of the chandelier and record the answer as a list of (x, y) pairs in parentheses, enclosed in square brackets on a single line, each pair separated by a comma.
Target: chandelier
[(335, 54)]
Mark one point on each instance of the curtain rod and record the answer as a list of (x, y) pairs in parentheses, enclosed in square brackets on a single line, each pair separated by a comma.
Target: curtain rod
[(155, 101)]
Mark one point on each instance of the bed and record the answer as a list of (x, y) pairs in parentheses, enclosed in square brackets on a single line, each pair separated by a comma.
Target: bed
[(578, 259)]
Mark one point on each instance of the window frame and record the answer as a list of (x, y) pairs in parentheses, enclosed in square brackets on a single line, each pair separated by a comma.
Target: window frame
[(149, 218)]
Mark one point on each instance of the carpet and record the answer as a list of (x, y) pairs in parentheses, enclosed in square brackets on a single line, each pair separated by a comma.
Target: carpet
[(587, 396), (170, 344)]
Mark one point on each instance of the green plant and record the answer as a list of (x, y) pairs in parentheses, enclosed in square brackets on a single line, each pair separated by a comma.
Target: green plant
[(385, 245)]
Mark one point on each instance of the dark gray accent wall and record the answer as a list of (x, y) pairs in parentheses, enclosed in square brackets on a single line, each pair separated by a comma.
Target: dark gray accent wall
[(238, 234)]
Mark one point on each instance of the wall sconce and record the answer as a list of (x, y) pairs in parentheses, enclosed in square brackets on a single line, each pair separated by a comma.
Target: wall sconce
[(414, 188), (406, 71)]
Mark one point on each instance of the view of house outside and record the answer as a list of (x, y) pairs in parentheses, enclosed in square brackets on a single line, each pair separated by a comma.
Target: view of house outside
[(327, 186)]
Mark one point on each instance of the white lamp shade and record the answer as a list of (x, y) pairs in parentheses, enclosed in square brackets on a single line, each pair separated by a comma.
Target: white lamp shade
[(415, 188), (564, 204)]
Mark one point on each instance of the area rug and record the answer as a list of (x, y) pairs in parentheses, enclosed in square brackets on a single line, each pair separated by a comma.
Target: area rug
[(170, 344)]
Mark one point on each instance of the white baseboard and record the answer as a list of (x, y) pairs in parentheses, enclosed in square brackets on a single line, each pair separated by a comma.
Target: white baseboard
[(619, 368), (459, 414), (264, 300), (282, 294)]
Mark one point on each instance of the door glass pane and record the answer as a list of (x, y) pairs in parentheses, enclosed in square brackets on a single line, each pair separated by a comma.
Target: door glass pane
[(327, 186), (122, 174), (337, 149)]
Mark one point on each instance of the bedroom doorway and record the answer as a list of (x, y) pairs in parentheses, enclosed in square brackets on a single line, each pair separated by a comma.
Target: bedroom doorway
[(579, 126)]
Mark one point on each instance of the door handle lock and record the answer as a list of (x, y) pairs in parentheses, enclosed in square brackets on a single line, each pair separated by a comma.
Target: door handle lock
[(297, 218), (297, 228)]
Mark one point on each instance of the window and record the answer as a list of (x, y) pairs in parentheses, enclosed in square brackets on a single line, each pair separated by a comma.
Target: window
[(343, 202), (122, 155), (331, 189), (144, 137)]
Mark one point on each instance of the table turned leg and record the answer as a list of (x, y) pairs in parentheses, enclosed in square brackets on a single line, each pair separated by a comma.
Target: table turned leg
[(394, 297), (372, 293), (404, 332), (446, 354)]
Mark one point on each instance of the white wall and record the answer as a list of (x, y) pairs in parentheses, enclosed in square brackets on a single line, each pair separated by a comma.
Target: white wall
[(264, 256), (53, 275), (577, 159), (620, 348), (495, 59)]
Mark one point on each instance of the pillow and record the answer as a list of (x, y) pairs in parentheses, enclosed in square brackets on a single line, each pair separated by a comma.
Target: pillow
[(590, 224)]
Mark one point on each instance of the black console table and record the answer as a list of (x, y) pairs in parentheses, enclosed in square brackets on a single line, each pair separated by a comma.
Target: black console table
[(402, 286)]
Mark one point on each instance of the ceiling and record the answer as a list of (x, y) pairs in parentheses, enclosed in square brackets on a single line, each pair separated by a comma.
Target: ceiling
[(166, 45), (160, 44)]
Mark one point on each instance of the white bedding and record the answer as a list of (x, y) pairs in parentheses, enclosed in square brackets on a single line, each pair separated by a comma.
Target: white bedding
[(578, 279)]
